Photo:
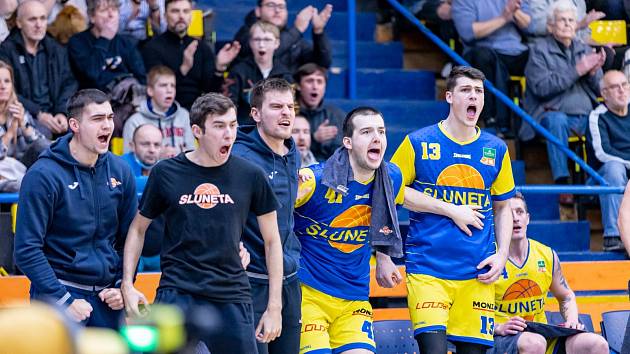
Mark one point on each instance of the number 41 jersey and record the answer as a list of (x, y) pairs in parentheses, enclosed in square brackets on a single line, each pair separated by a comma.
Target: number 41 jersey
[(474, 172)]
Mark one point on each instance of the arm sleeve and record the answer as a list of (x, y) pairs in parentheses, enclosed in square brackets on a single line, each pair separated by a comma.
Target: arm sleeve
[(126, 212), (288, 39), (404, 158), (153, 202), (503, 186), (68, 85), (321, 52), (35, 213), (463, 18), (600, 140), (546, 81), (264, 199), (397, 181), (30, 106), (135, 63), (538, 12), (210, 81)]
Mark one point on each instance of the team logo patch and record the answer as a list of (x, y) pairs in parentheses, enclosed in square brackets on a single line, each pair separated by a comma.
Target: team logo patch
[(489, 156), (206, 196), (385, 230), (541, 266), (114, 182)]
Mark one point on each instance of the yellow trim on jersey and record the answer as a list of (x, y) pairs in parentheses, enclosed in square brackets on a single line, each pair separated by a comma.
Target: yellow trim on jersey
[(404, 158), (400, 196), (448, 135), (368, 181), (308, 184), (505, 181)]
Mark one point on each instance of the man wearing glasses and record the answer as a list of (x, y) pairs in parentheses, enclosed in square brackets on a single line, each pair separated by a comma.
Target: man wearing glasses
[(294, 50), (609, 149)]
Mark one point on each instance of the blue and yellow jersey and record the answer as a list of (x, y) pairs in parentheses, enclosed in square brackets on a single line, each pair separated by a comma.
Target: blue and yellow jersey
[(333, 230), (471, 172), (522, 289)]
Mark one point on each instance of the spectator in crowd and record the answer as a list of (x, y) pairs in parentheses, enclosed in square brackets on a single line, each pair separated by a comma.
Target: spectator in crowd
[(55, 7), (624, 224), (43, 79), (294, 50), (69, 22), (161, 109), (193, 61), (491, 32), (146, 146), (539, 266), (311, 85), (562, 84), (18, 137), (134, 15), (608, 145), (302, 135), (7, 8), (269, 146), (264, 39), (539, 8), (100, 57), (76, 205)]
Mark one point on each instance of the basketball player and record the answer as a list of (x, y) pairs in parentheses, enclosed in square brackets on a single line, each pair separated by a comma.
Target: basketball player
[(333, 228), (205, 201), (532, 270), (450, 273)]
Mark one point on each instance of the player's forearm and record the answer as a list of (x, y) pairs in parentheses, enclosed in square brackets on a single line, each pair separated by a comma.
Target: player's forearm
[(522, 19), (486, 28), (568, 308), (503, 226), (273, 255), (133, 249), (421, 203)]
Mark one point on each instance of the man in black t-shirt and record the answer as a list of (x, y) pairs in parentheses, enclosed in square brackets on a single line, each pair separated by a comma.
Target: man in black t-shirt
[(206, 196)]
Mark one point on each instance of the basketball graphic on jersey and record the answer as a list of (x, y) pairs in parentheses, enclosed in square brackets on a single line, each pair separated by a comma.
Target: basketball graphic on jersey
[(460, 175), (357, 215), (522, 289), (206, 189)]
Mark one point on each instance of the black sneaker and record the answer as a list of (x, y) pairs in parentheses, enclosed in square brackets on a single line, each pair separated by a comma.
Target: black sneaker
[(613, 244)]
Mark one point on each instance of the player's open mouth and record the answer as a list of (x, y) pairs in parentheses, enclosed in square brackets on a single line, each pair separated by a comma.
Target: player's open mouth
[(314, 94), (516, 228), (285, 123), (262, 53), (374, 153), (471, 111), (103, 139), (224, 150)]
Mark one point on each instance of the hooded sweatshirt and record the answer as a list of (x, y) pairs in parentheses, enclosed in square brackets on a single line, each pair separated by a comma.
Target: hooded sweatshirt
[(282, 172), (175, 126), (73, 220)]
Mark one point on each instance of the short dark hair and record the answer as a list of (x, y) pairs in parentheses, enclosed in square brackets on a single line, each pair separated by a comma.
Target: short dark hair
[(263, 86), (309, 69), (348, 122), (167, 2), (463, 71), (520, 196), (207, 105), (82, 98), (93, 4)]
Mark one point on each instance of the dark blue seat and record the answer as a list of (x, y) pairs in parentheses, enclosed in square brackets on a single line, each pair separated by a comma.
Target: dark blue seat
[(614, 328), (554, 317)]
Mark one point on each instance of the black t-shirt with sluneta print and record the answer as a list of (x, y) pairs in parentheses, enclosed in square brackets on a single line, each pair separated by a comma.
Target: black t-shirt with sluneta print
[(205, 209)]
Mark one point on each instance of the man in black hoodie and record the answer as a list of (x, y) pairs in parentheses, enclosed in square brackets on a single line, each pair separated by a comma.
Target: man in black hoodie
[(270, 146), (294, 50), (326, 119), (193, 61), (43, 79)]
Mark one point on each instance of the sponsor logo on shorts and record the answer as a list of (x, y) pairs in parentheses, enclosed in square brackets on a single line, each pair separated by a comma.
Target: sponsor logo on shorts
[(483, 306), (432, 305), (206, 196), (314, 327), (362, 312)]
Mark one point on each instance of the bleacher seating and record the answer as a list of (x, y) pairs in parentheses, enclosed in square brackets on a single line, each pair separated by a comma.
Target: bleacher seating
[(614, 328)]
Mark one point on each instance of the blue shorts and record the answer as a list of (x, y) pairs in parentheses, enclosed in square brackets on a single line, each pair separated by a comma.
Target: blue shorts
[(225, 328)]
